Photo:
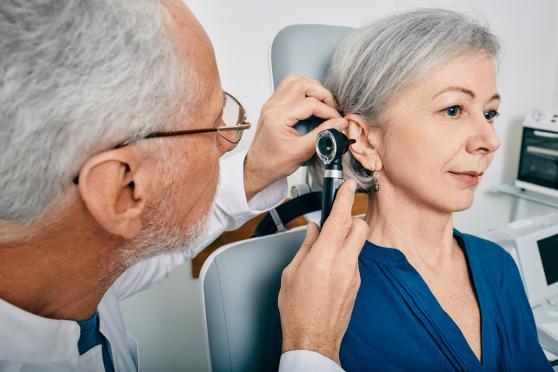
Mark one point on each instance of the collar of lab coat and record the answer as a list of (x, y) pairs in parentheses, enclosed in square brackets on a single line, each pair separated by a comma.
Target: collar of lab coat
[(26, 337)]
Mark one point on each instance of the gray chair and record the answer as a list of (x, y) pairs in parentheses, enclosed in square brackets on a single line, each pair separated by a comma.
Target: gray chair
[(240, 281), (304, 50)]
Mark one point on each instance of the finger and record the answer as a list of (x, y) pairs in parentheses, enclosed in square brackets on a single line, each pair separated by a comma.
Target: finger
[(294, 87), (284, 87), (312, 233), (310, 106), (308, 141), (356, 238), (339, 222), (319, 92)]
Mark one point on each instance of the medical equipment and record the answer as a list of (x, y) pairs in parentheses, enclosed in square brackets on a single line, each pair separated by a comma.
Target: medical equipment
[(538, 164), (330, 147), (533, 244)]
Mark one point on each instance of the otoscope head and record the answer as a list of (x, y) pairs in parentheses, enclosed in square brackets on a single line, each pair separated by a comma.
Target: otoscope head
[(331, 144)]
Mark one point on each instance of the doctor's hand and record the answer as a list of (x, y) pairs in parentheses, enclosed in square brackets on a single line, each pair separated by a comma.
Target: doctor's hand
[(278, 149), (319, 286)]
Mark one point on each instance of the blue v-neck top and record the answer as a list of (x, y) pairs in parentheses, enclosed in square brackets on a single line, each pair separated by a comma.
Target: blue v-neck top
[(397, 323)]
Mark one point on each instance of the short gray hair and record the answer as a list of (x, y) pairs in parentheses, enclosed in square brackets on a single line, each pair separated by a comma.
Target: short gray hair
[(377, 61), (78, 77)]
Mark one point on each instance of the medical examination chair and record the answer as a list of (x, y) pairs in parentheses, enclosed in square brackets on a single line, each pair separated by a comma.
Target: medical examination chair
[(240, 281)]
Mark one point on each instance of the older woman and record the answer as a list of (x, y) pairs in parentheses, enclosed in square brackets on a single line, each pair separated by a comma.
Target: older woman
[(419, 91)]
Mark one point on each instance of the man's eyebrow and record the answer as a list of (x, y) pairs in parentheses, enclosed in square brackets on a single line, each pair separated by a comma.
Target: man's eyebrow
[(469, 92)]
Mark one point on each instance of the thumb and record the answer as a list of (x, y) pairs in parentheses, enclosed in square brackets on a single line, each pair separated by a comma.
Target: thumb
[(309, 139)]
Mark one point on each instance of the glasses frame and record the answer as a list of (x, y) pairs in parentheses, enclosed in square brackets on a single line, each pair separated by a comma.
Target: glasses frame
[(242, 125)]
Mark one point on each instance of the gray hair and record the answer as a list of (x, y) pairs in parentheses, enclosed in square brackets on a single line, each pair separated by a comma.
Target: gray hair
[(377, 61), (78, 77)]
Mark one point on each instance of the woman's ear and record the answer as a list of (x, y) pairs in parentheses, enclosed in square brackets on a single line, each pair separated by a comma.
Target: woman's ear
[(367, 137)]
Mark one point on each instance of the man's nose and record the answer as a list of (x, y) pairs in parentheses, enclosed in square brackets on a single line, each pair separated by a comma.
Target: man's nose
[(484, 138)]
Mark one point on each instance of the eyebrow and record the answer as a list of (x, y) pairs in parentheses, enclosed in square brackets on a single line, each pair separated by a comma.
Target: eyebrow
[(496, 96)]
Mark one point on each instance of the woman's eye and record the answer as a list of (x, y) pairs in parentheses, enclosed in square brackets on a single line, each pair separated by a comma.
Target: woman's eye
[(491, 115), (453, 111)]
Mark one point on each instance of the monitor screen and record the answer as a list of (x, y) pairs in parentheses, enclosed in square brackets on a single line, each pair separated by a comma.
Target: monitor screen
[(548, 249)]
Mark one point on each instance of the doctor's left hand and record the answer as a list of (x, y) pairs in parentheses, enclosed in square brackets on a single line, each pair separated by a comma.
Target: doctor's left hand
[(278, 149)]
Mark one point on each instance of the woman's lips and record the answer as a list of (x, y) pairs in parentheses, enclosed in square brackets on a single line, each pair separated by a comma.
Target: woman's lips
[(469, 178)]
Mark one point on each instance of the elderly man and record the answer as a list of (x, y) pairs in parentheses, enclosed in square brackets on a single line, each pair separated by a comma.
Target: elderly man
[(113, 120)]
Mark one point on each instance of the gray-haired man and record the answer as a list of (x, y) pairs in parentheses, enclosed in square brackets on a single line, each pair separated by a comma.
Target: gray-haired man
[(111, 130)]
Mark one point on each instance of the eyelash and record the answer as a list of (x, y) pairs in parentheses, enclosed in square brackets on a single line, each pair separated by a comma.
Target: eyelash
[(494, 113)]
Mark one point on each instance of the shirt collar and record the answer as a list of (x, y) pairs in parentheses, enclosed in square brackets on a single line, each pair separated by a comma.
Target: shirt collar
[(26, 337), (390, 255)]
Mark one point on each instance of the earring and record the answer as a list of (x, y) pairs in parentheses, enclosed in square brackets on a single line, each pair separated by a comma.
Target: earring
[(376, 181)]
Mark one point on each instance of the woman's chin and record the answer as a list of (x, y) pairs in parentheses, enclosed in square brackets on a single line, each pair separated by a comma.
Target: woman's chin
[(462, 203)]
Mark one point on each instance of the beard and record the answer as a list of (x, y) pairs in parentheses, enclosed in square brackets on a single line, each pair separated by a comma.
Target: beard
[(162, 235), (159, 236)]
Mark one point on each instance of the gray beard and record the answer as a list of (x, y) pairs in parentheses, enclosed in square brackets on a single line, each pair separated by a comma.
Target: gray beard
[(157, 239), (159, 235)]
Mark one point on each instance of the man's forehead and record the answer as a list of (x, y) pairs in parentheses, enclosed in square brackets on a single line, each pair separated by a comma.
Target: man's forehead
[(192, 42)]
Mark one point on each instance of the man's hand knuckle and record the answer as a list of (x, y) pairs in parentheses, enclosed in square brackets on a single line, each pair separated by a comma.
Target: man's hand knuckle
[(360, 225), (285, 275), (358, 282), (345, 223), (268, 114), (290, 77)]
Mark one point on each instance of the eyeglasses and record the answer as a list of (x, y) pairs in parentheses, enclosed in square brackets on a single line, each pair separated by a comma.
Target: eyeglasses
[(232, 124)]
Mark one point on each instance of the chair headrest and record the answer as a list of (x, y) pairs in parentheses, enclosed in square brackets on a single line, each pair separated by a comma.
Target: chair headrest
[(305, 50)]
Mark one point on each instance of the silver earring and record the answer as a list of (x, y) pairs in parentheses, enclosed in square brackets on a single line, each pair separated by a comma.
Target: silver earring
[(376, 181)]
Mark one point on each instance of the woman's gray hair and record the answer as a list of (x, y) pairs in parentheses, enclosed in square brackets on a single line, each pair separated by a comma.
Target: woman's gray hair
[(377, 61), (78, 77)]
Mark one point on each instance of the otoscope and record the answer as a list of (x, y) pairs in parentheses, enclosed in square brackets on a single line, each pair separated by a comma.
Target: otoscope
[(331, 144)]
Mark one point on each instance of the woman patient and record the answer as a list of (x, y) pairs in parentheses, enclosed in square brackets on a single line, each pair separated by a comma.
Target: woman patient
[(419, 91)]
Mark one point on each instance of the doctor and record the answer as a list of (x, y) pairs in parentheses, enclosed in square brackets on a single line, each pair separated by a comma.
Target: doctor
[(112, 122)]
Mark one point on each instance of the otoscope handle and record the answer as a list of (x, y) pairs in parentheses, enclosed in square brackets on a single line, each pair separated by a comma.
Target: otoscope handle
[(331, 182)]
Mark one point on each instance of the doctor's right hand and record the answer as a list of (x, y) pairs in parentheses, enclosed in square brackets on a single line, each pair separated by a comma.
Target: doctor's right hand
[(319, 286)]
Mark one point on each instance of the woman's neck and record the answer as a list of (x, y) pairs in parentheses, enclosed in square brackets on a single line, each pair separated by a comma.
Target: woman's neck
[(399, 221)]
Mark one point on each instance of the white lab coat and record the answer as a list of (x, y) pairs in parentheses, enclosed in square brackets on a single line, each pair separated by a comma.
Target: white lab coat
[(32, 343)]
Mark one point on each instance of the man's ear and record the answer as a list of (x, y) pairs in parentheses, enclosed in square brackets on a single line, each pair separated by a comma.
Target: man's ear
[(367, 137), (114, 187)]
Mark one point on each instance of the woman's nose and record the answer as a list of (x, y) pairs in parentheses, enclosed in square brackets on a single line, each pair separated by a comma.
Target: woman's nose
[(484, 139)]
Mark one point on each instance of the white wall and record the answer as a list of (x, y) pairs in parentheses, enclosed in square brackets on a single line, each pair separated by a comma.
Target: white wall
[(166, 318)]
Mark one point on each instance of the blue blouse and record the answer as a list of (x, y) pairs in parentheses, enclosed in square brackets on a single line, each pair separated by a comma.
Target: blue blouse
[(397, 323)]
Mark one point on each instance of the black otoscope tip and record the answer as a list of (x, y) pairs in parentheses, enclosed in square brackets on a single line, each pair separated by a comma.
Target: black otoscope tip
[(351, 141)]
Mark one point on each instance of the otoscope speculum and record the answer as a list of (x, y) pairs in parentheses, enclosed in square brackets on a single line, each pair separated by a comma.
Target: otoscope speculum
[(331, 145)]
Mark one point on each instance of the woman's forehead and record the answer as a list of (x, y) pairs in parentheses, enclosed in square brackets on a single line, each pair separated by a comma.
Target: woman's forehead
[(470, 74)]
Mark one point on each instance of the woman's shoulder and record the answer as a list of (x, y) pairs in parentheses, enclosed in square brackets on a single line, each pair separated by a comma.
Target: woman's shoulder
[(486, 251)]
